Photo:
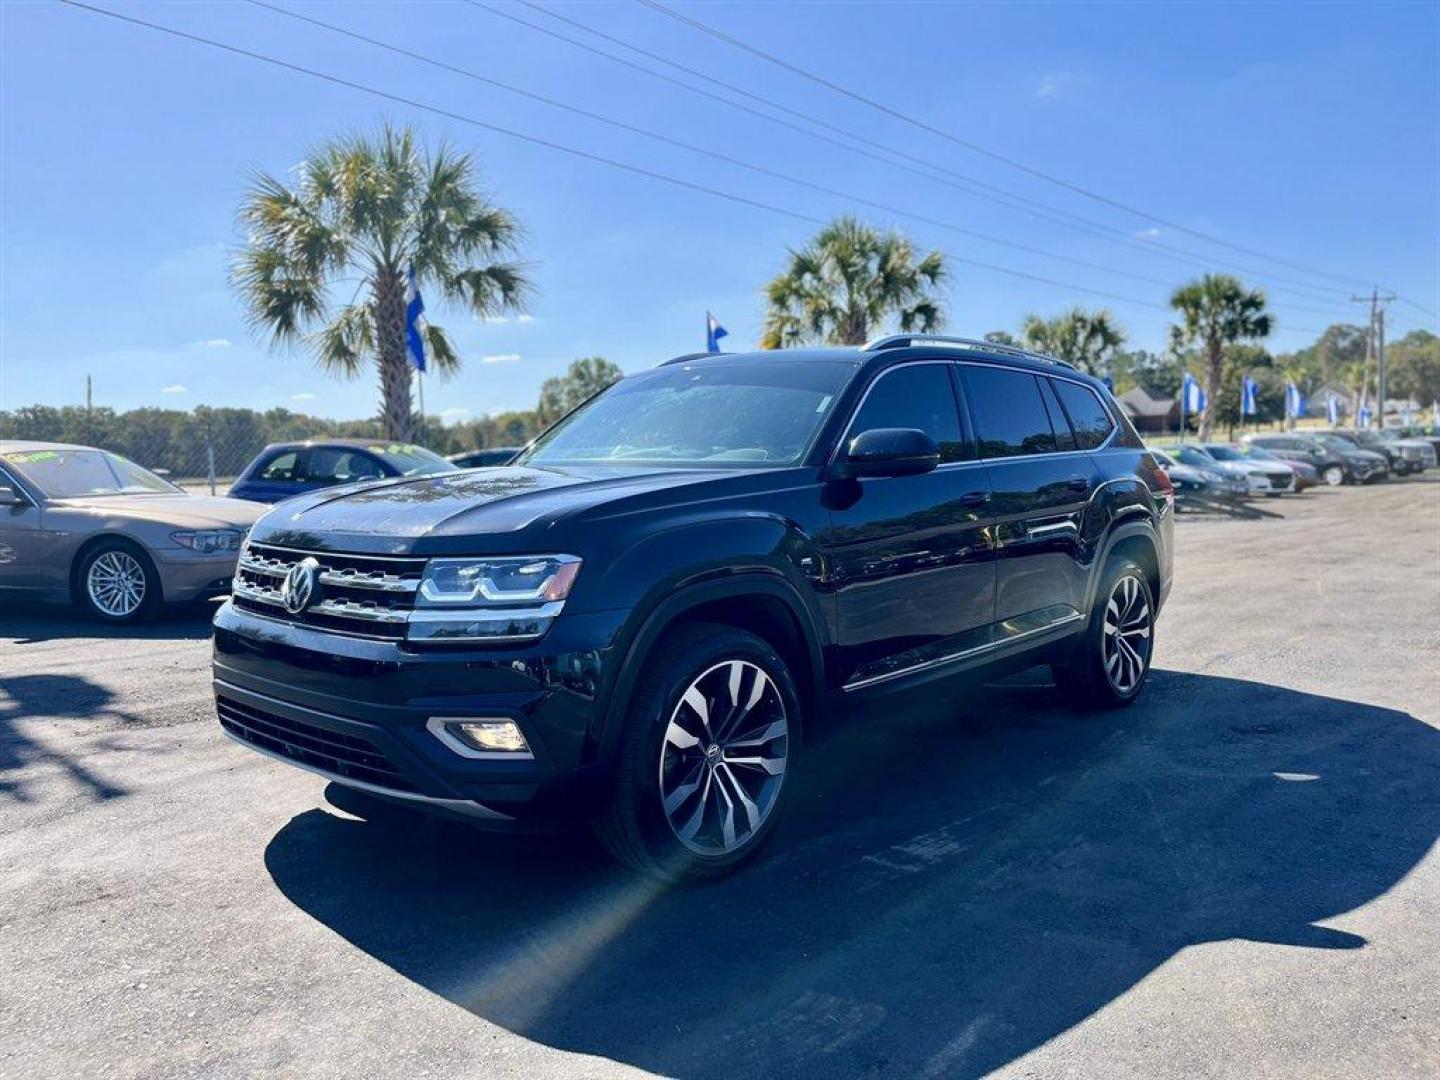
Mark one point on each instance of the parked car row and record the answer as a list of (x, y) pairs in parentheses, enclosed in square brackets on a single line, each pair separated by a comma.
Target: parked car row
[(1279, 464)]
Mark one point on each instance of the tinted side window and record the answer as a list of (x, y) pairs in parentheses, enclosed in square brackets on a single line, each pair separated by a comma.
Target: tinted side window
[(1064, 437), (1010, 417), (335, 465), (1088, 417), (914, 396), (280, 467)]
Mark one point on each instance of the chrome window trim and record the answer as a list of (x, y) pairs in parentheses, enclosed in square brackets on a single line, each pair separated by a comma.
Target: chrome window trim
[(954, 362)]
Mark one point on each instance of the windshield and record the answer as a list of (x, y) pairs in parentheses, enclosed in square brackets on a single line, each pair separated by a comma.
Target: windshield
[(1193, 455), (66, 474), (1262, 454), (410, 460), (761, 413), (1335, 442), (1224, 453)]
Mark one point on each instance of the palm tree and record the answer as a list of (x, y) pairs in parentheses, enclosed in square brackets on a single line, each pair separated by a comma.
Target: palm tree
[(360, 215), (1217, 311), (1087, 339), (842, 286)]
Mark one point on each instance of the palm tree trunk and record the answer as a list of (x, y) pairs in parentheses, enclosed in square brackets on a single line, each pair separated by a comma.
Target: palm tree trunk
[(396, 414), (1215, 358)]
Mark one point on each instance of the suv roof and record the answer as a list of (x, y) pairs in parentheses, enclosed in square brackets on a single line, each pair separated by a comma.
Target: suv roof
[(882, 352)]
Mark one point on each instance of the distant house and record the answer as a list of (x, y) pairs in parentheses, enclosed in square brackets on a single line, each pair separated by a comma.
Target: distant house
[(1318, 402), (1150, 410)]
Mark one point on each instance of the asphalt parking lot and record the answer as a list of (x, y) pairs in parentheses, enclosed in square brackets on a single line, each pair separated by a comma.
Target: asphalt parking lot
[(1237, 877)]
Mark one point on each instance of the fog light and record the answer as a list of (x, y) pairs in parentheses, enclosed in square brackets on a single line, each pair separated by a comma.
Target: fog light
[(480, 737)]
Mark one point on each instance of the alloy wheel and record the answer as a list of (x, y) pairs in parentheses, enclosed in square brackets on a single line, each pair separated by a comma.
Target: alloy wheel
[(1334, 475), (723, 758), (1127, 634), (116, 584)]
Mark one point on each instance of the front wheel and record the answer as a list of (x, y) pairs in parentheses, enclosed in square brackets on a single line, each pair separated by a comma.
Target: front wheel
[(711, 734), (1111, 661), (116, 582), (1333, 475)]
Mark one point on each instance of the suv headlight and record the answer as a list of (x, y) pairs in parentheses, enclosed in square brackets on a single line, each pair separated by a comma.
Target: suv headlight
[(207, 541), (491, 599)]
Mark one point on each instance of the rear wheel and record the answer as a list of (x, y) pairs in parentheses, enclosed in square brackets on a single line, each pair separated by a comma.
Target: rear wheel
[(711, 734), (1111, 662), (116, 582), (1333, 475)]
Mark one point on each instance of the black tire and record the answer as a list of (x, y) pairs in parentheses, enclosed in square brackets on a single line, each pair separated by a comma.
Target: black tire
[(632, 822), (126, 554), (1084, 678)]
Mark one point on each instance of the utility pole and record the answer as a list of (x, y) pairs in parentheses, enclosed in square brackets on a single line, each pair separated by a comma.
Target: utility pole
[(89, 398), (1374, 346)]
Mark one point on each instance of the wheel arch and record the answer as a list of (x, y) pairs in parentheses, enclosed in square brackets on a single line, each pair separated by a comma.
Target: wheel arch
[(765, 604), (1134, 536)]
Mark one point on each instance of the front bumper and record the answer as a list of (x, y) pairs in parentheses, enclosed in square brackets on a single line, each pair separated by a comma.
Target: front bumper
[(187, 575), (355, 710)]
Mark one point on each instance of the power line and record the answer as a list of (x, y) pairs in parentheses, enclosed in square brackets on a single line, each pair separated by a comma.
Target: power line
[(562, 148), (1030, 170), (919, 166), (711, 154)]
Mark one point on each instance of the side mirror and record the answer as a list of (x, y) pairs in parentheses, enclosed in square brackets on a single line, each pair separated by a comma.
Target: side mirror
[(10, 497), (889, 452)]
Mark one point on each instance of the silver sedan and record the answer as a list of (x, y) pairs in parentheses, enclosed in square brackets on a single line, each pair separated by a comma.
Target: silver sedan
[(86, 526)]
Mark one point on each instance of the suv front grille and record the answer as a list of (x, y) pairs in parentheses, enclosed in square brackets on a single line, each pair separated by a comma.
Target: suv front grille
[(320, 748), (365, 595)]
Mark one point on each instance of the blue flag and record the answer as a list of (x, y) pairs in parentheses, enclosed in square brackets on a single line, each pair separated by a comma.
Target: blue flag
[(1249, 396), (414, 309), (713, 333), (1294, 401), (1192, 397), (1332, 409)]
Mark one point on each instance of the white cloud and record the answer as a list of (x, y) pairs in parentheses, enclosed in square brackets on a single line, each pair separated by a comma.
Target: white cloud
[(525, 318), (500, 358), (500, 320), (1052, 84), (1148, 234), (454, 414), (175, 389), (213, 343), (304, 397)]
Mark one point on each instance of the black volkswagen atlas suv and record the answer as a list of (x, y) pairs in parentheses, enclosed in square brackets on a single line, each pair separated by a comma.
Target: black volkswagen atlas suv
[(636, 621)]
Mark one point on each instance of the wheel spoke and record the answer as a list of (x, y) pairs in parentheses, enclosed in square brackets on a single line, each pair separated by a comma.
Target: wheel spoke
[(690, 828), (773, 731), (699, 705), (685, 789), (772, 765), (752, 812)]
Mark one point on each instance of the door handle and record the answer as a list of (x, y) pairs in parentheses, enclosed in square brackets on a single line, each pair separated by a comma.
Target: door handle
[(1078, 483), (975, 498)]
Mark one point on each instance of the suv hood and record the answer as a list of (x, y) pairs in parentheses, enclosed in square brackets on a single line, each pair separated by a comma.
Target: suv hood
[(391, 515), (178, 510)]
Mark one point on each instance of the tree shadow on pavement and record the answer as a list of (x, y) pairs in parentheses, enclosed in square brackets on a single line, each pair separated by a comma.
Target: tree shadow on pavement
[(46, 698), (29, 624), (1236, 509), (942, 898)]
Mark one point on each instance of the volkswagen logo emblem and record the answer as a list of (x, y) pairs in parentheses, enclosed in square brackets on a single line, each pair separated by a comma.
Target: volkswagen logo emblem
[(299, 587)]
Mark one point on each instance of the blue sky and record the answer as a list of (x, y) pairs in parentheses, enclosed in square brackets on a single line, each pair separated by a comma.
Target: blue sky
[(1306, 131)]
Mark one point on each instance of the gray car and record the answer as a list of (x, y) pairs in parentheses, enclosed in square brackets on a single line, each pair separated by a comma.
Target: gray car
[(87, 526)]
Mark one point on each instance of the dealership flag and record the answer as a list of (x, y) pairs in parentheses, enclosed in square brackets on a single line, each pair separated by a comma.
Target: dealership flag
[(1249, 393), (1332, 409), (713, 333), (1294, 401), (414, 311), (1192, 397)]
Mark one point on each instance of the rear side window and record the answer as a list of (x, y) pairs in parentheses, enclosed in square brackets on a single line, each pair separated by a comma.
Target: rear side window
[(1092, 424), (281, 467), (336, 465), (1064, 437), (1009, 414), (914, 396)]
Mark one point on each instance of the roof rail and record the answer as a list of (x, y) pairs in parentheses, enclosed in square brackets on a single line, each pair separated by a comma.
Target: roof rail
[(943, 341), (692, 356)]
